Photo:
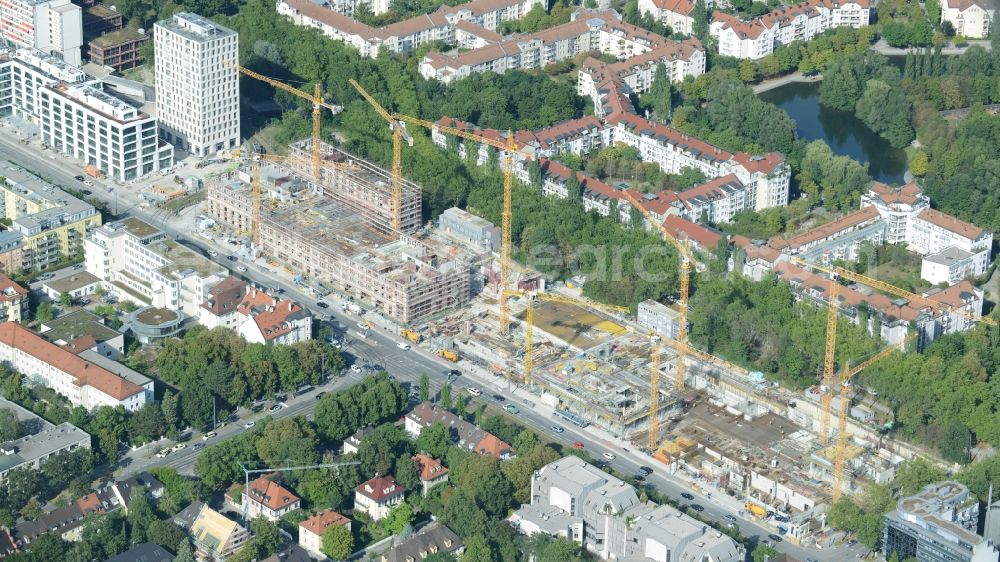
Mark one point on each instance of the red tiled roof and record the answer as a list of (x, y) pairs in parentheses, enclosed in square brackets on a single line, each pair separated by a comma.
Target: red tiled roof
[(743, 30), (759, 164), (270, 494), (430, 468), (676, 6), (711, 189), (318, 523), (494, 446), (907, 195), (225, 296), (955, 295), (681, 228), (80, 344), (9, 290), (85, 373), (671, 135), (90, 504), (829, 229), (950, 223), (381, 488), (271, 315)]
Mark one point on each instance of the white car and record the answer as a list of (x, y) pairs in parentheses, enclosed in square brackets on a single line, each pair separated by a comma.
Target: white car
[(208, 436), (355, 368), (163, 453), (249, 424), (403, 346), (609, 456), (213, 253), (242, 269), (179, 446), (474, 391)]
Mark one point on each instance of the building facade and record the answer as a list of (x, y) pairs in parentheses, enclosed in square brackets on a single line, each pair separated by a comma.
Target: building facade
[(378, 496), (52, 224), (660, 318), (137, 262), (118, 50), (268, 499), (82, 382), (311, 530), (13, 300), (197, 84), (970, 18), (42, 442), (51, 26), (937, 524)]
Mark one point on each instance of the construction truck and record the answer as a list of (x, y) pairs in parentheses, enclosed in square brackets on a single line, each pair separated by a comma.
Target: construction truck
[(756, 510), (447, 354), (410, 335)]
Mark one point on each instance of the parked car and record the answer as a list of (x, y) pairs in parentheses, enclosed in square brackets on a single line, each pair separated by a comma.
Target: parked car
[(558, 429), (249, 424), (79, 178), (322, 304), (232, 258), (687, 496), (163, 453), (208, 436), (510, 408), (475, 391), (355, 368), (179, 446), (640, 478), (645, 470), (774, 537), (274, 408), (320, 395), (697, 507), (609, 456), (213, 253), (577, 445), (78, 266), (729, 518), (242, 269), (403, 346)]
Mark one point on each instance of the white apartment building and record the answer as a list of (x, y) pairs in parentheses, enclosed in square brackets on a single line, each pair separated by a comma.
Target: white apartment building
[(197, 84), (311, 530), (953, 249), (660, 318), (757, 38), (472, 25), (82, 382), (378, 496), (138, 263), (78, 118), (268, 499), (51, 26), (673, 13), (579, 502), (635, 75), (970, 18)]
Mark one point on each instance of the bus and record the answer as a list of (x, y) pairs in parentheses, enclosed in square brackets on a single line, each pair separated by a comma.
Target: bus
[(571, 417)]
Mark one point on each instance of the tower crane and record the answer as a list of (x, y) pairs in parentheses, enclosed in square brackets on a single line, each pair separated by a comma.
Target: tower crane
[(398, 134), (894, 290), (509, 147), (529, 362), (684, 249), (840, 447), (829, 356), (317, 100)]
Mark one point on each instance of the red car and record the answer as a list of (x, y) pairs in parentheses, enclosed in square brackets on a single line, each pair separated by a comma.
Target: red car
[(577, 445)]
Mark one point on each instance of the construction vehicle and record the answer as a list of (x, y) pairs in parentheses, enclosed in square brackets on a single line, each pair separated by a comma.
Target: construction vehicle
[(758, 511), (447, 354), (92, 171), (318, 102), (410, 335)]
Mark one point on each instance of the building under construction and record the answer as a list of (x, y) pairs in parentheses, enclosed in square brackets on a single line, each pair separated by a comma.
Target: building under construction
[(359, 185), (342, 241)]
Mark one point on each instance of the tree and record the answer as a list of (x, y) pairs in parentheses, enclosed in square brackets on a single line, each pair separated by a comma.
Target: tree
[(434, 440), (110, 426), (184, 552), (955, 442), (11, 428), (65, 299), (425, 382), (748, 72), (477, 550), (165, 533), (288, 440), (659, 98), (140, 516), (919, 164), (266, 536), (445, 399), (913, 475), (146, 424), (763, 553), (699, 28), (338, 543), (45, 312), (380, 449), (398, 518)]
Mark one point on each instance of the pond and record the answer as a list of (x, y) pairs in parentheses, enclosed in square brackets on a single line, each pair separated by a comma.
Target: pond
[(844, 132)]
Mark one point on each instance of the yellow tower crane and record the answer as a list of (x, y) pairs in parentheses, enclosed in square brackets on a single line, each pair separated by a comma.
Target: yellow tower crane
[(509, 147), (840, 447), (318, 102), (529, 360), (684, 250), (829, 358), (398, 134)]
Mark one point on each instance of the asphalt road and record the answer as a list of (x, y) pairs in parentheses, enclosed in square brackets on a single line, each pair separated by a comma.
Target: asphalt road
[(380, 348)]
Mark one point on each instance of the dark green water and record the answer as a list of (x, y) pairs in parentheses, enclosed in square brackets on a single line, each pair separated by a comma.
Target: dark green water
[(844, 132)]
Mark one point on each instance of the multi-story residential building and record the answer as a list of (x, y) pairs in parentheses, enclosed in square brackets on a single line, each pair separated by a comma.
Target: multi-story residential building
[(576, 501), (970, 18), (635, 75), (378, 496), (938, 524), (434, 538), (51, 222), (470, 228), (13, 300), (51, 26), (659, 317), (953, 249), (757, 38), (82, 382), (11, 251), (100, 19), (197, 84), (119, 49), (311, 530), (268, 499), (42, 442), (267, 319), (472, 25), (469, 436), (139, 263), (78, 118), (430, 471), (215, 536), (673, 13), (83, 330), (640, 51)]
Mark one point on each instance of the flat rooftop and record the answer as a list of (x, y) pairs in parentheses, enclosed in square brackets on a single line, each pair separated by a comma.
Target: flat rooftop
[(115, 367), (114, 38), (156, 316), (32, 447), (72, 282), (572, 324), (195, 27), (78, 324), (761, 431), (184, 261)]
